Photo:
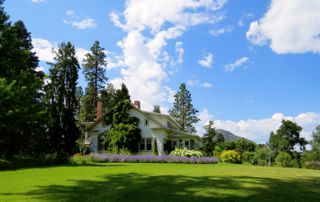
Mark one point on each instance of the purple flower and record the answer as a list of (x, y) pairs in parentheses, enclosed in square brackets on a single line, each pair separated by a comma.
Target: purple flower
[(99, 158)]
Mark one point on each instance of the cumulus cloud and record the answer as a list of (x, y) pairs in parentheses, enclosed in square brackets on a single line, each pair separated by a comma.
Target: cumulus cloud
[(258, 130), (142, 14), (204, 117), (76, 22), (206, 61), (148, 29), (217, 32), (44, 50), (289, 26), (199, 84), (238, 63)]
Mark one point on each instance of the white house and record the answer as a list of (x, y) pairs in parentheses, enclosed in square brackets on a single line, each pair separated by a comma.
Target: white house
[(159, 132)]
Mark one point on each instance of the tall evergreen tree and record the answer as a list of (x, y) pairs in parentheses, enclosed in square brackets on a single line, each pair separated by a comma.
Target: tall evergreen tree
[(183, 111), (95, 76), (63, 101), (21, 111)]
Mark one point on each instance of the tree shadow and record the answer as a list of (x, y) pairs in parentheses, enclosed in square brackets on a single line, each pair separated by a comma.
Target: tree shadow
[(137, 187), (21, 166)]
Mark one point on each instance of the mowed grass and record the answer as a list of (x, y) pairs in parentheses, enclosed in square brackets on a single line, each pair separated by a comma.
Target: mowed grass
[(159, 182)]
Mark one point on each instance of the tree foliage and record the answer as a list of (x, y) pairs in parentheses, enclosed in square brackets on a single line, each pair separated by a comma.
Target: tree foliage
[(210, 139), (243, 145), (61, 92), (94, 72), (315, 142), (21, 109), (183, 111), (286, 137), (124, 132)]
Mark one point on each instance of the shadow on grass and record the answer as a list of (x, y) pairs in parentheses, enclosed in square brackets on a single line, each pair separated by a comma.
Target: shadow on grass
[(21, 165), (137, 187)]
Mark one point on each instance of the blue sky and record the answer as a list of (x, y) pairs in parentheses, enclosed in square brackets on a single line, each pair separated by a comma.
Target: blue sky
[(246, 64)]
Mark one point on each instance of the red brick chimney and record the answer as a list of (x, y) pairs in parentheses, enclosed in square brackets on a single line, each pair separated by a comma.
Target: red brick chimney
[(136, 103), (99, 109)]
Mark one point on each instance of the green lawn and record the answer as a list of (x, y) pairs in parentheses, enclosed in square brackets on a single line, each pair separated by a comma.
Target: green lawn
[(159, 182)]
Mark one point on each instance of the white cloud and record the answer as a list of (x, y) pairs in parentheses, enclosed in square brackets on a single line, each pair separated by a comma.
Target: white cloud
[(82, 24), (38, 1), (70, 13), (204, 117), (207, 85), (244, 18), (290, 26), (76, 22), (217, 32), (206, 61), (197, 83), (142, 14), (145, 61), (259, 130), (238, 63), (39, 69), (43, 49)]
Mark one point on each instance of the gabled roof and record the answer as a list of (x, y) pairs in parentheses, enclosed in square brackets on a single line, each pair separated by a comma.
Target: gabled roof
[(91, 125)]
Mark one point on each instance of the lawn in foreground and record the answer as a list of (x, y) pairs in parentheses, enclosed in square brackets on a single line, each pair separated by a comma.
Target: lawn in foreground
[(159, 182)]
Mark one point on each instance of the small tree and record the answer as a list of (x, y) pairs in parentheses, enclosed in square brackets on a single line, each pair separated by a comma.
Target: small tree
[(315, 142), (183, 111), (211, 139)]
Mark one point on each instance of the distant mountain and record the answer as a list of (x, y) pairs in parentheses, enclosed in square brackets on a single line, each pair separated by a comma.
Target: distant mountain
[(228, 136)]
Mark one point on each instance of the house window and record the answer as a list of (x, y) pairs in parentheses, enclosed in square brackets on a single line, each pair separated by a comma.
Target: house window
[(180, 144), (146, 122), (192, 144), (174, 144), (145, 144), (149, 144), (186, 144)]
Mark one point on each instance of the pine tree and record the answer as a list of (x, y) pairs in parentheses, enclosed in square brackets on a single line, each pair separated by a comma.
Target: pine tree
[(95, 76), (183, 111), (21, 119), (63, 101)]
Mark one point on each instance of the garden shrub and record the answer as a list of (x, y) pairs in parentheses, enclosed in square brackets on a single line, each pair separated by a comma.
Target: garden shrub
[(248, 157), (217, 152), (186, 153), (262, 163), (310, 160), (284, 159), (230, 156), (81, 159)]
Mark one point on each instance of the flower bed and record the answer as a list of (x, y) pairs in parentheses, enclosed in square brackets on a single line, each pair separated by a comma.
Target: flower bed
[(101, 158)]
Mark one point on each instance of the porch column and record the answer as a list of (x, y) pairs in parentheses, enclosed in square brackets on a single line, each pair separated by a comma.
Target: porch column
[(160, 142)]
